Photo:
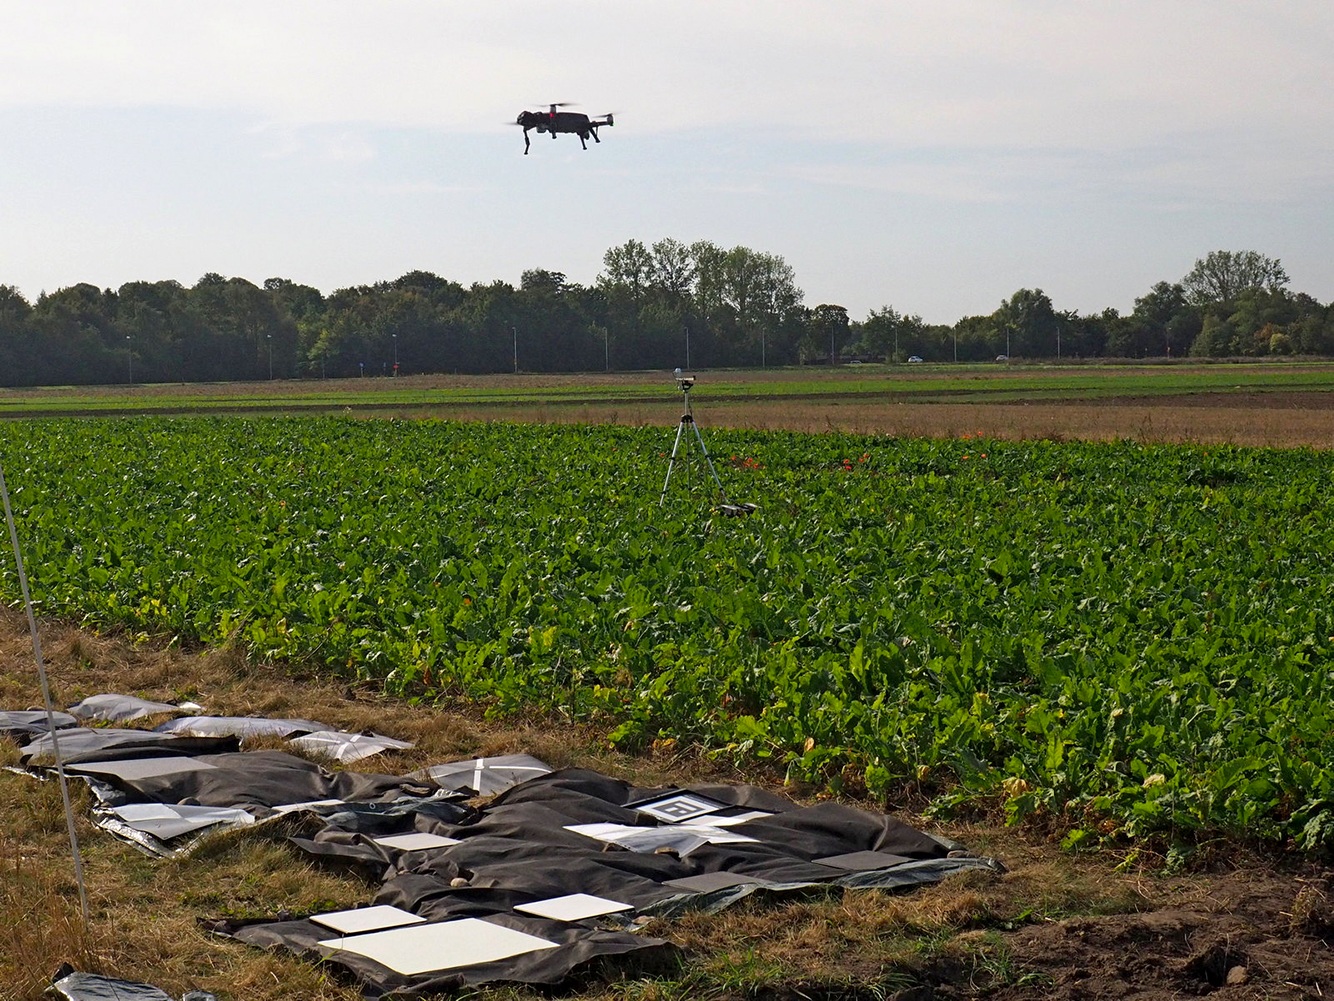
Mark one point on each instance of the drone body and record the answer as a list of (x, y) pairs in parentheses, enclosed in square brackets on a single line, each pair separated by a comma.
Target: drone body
[(555, 122)]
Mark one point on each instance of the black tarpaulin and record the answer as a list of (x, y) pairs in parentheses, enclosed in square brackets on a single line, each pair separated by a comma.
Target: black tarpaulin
[(519, 852), (265, 779), (85, 742), (577, 947)]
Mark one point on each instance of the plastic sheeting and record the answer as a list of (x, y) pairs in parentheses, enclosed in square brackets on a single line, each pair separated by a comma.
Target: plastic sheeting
[(521, 863), (111, 708), (75, 986), (239, 726), (485, 776), (31, 722), (346, 748)]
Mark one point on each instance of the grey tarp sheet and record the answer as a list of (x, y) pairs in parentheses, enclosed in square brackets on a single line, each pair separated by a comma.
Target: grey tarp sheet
[(239, 726), (518, 850), (111, 708), (20, 723), (75, 986)]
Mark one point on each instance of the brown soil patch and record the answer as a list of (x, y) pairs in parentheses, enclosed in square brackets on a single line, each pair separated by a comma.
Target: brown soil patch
[(1265, 420)]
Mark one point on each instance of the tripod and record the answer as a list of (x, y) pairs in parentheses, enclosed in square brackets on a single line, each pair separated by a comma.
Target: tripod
[(688, 421)]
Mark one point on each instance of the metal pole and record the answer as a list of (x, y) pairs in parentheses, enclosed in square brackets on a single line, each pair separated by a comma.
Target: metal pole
[(270, 339), (687, 348), (46, 699), (515, 331), (395, 336), (129, 355), (606, 349)]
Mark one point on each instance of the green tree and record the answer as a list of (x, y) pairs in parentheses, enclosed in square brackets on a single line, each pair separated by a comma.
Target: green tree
[(1029, 319), (890, 335), (1221, 276), (828, 331)]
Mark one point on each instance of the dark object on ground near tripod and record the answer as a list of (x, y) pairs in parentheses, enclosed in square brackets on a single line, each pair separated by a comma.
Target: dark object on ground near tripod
[(737, 510)]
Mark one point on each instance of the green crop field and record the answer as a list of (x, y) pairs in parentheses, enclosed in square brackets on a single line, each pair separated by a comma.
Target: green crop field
[(1132, 638)]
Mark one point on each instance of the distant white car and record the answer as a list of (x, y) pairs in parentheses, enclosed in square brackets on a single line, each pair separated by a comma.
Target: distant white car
[(914, 359), (1002, 357)]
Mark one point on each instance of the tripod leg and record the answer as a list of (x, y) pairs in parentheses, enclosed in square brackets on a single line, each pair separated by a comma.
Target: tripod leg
[(709, 462), (676, 447)]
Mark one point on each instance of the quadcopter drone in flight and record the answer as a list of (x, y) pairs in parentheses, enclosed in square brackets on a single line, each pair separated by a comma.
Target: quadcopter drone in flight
[(555, 122)]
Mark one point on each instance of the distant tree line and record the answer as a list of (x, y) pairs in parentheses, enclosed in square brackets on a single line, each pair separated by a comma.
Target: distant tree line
[(659, 306)]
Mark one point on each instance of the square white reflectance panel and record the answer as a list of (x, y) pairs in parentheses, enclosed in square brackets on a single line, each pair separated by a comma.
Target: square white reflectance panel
[(573, 907), (446, 945), (680, 806), (362, 919), (416, 841)]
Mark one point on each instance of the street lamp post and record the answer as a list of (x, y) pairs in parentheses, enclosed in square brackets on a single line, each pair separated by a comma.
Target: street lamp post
[(515, 331), (687, 348), (606, 348), (270, 339), (395, 336), (129, 357)]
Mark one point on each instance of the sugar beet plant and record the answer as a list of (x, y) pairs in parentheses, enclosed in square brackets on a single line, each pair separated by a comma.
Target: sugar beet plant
[(1134, 638)]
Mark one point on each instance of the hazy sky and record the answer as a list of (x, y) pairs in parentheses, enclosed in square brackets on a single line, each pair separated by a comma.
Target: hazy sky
[(934, 155)]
